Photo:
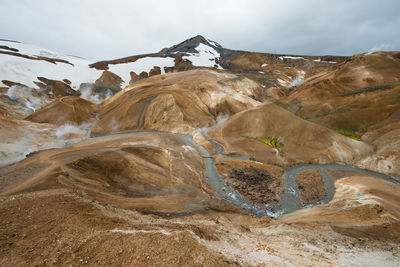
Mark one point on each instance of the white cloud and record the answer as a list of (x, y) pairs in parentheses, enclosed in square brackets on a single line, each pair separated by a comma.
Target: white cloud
[(100, 29)]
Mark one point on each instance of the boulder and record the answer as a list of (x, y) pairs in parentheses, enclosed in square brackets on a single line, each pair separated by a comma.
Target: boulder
[(108, 81)]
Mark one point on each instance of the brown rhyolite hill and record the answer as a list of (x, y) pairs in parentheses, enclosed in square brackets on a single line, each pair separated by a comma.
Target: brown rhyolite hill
[(65, 110), (359, 92), (360, 96), (303, 141), (177, 102)]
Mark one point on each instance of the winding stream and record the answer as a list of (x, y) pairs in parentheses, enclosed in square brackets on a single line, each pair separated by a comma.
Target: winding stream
[(290, 201)]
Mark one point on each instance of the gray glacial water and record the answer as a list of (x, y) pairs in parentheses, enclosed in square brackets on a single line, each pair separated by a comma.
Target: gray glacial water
[(291, 200)]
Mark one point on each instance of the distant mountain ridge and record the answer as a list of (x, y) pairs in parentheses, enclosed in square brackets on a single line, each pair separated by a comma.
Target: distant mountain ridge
[(23, 64), (189, 45)]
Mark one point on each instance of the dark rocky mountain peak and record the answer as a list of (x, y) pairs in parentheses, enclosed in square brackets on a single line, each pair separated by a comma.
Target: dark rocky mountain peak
[(189, 45)]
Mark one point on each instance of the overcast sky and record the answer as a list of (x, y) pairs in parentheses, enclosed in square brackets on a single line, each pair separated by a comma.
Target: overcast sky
[(105, 29)]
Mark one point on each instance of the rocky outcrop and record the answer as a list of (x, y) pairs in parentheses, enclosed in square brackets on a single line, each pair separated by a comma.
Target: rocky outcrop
[(67, 81), (143, 75), (58, 88), (155, 71), (180, 64), (134, 77), (48, 59), (107, 81), (11, 83)]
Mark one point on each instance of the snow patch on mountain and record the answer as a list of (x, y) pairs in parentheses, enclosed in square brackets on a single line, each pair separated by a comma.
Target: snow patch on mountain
[(34, 51), (206, 57), (25, 71), (215, 44), (290, 57)]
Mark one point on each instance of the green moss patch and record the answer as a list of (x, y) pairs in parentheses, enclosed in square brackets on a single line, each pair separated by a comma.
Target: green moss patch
[(270, 141), (349, 133)]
